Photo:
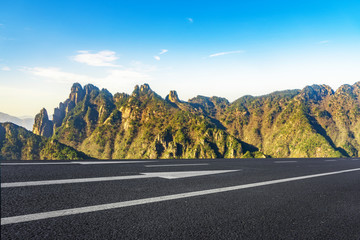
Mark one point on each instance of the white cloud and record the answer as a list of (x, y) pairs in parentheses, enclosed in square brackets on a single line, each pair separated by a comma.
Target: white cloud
[(163, 51), (225, 53), (324, 42), (5, 68), (190, 20), (57, 75), (100, 59), (113, 78)]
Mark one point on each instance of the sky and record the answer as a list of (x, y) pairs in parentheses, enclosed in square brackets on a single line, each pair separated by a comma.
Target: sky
[(211, 48)]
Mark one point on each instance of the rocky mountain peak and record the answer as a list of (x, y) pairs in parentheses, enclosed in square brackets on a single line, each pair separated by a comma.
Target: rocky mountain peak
[(173, 97), (120, 96), (145, 88), (105, 93), (316, 92), (89, 88), (344, 89), (76, 87), (136, 91), (356, 87), (77, 93), (43, 126)]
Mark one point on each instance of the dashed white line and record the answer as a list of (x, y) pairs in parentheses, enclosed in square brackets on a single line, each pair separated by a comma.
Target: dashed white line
[(178, 165), (73, 211), (118, 162), (285, 161)]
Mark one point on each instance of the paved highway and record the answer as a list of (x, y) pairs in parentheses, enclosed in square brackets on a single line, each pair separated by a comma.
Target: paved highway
[(181, 199)]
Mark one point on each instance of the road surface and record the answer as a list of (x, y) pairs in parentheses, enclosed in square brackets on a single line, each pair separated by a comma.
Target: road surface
[(181, 199)]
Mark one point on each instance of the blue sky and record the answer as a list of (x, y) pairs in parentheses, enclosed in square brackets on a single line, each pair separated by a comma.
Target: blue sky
[(222, 48)]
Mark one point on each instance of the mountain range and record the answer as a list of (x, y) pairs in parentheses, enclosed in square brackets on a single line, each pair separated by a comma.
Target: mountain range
[(26, 122), (92, 123)]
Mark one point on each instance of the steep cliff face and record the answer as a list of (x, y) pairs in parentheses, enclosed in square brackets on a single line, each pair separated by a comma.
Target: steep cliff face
[(17, 143), (338, 118), (172, 97), (140, 125), (312, 122), (90, 107), (77, 94), (43, 126), (144, 125)]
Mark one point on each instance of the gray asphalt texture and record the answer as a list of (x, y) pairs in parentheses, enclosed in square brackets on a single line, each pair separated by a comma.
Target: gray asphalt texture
[(325, 207)]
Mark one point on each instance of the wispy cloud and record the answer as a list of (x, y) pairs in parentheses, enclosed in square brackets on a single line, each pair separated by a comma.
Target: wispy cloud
[(163, 51), (100, 59), (324, 42), (57, 74), (5, 68), (112, 76), (190, 20), (225, 53)]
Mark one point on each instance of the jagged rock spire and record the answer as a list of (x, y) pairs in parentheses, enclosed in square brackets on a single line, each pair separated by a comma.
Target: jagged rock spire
[(173, 97), (43, 126)]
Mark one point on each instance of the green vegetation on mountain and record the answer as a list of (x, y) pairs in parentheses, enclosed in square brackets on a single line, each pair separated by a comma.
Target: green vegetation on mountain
[(312, 122), (142, 125), (17, 143)]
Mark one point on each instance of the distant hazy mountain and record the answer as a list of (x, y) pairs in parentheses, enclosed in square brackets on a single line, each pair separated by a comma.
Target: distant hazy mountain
[(26, 122)]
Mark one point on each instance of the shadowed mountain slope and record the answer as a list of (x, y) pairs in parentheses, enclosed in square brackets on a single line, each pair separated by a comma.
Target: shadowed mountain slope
[(313, 122), (17, 143)]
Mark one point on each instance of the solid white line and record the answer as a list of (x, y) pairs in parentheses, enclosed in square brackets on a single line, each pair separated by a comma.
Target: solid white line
[(79, 162), (178, 165), (285, 161), (73, 211), (64, 181), (166, 175), (14, 164)]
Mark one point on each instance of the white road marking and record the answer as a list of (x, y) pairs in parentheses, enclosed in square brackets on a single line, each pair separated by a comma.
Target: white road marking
[(331, 160), (73, 211), (79, 162), (285, 161), (175, 175), (86, 163), (178, 165), (45, 163), (166, 175)]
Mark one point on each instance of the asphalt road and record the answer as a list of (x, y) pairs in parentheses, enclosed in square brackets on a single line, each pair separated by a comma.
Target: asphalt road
[(181, 199)]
